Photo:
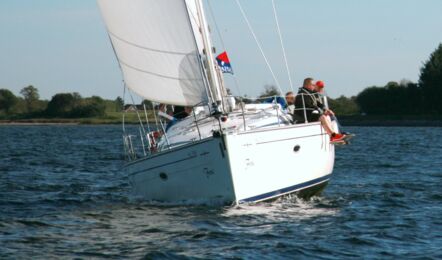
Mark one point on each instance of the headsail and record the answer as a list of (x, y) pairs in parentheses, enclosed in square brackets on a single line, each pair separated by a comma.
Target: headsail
[(156, 48)]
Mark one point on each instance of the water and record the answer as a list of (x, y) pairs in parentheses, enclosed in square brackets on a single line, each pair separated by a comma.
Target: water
[(62, 195)]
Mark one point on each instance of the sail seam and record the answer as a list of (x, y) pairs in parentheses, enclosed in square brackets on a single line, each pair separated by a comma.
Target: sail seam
[(156, 74), (147, 48)]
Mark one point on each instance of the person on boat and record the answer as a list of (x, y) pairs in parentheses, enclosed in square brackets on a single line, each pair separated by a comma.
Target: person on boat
[(277, 100), (320, 87), (312, 109), (179, 113), (290, 102)]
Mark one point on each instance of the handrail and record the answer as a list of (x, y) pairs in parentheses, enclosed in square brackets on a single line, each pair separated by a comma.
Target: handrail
[(275, 108)]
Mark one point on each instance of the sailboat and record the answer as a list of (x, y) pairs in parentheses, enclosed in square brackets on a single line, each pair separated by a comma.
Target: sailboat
[(226, 150)]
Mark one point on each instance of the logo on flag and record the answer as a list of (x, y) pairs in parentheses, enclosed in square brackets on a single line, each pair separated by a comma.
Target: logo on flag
[(224, 63)]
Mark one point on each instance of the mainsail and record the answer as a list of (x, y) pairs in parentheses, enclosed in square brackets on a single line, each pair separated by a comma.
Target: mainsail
[(155, 45)]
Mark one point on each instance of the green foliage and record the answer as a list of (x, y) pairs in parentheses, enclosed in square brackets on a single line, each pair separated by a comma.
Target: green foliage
[(431, 81), (31, 97), (73, 105), (371, 99), (119, 104), (149, 105), (89, 107), (62, 104), (111, 106), (344, 106), (269, 91), (392, 99), (18, 108), (407, 98), (7, 100)]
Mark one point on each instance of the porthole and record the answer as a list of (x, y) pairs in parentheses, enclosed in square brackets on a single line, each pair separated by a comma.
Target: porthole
[(163, 176)]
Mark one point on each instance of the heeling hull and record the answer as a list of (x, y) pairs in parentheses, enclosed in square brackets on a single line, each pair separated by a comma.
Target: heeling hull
[(270, 163), (252, 166), (195, 173)]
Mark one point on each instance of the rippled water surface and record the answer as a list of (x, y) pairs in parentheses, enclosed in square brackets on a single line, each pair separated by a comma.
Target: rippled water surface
[(63, 195)]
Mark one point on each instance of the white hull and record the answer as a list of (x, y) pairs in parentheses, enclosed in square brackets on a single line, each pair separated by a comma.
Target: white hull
[(239, 167), (197, 172)]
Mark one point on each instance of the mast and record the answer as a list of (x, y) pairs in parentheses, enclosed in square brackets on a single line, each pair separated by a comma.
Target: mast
[(214, 81)]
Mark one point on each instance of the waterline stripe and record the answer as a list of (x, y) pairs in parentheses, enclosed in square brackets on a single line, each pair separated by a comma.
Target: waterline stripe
[(283, 191)]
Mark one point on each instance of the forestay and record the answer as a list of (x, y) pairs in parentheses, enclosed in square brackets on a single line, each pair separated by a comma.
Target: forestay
[(155, 45)]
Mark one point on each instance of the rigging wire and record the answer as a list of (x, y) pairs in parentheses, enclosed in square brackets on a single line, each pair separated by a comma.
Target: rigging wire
[(235, 79), (200, 57), (124, 111), (259, 44), (282, 44), (138, 114)]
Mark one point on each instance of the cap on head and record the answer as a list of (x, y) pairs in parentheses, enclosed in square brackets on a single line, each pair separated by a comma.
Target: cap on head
[(320, 84)]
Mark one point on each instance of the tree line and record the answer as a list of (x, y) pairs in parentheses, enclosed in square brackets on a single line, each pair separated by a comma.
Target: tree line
[(395, 98), (407, 98), (61, 105)]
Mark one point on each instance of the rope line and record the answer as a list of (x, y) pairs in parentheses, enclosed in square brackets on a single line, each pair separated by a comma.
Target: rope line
[(259, 45), (235, 80), (124, 111), (282, 45), (136, 110)]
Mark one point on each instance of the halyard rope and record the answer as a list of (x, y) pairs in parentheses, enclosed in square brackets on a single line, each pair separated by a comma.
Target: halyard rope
[(259, 45)]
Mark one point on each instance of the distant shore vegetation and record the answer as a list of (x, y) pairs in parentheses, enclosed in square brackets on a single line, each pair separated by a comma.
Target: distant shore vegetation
[(404, 98), (62, 105)]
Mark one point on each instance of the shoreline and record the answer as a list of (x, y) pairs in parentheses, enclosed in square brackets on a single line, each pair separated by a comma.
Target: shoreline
[(392, 123), (65, 121), (344, 121), (386, 121), (19, 123), (34, 124), (57, 123)]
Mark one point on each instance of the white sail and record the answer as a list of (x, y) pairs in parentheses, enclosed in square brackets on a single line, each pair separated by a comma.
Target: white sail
[(156, 49), (196, 24)]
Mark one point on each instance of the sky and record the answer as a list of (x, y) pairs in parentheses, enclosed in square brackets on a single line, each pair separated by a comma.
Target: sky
[(62, 46)]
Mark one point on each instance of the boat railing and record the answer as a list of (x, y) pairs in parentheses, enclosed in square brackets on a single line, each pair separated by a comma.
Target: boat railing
[(129, 150), (203, 113), (281, 108)]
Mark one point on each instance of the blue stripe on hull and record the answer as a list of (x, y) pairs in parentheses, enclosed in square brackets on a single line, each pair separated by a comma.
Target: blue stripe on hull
[(287, 190)]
